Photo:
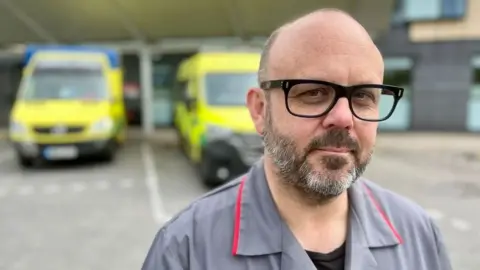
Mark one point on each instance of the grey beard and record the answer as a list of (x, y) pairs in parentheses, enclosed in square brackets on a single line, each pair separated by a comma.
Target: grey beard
[(295, 171)]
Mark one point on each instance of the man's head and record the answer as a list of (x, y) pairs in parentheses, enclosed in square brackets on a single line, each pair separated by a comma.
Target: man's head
[(321, 156)]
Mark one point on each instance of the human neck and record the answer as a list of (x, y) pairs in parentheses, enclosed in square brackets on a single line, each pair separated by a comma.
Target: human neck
[(318, 227)]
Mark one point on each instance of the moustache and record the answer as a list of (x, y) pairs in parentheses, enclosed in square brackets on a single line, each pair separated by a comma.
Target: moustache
[(333, 138)]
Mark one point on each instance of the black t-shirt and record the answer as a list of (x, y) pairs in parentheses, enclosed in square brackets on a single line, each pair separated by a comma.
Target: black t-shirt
[(334, 260)]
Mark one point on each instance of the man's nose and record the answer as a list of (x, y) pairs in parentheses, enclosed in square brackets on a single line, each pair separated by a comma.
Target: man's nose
[(340, 116)]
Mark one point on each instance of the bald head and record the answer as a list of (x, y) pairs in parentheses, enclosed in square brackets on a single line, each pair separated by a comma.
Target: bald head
[(326, 46), (323, 32)]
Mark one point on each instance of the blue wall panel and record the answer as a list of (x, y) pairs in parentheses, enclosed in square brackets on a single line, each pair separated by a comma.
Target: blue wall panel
[(398, 72), (473, 110)]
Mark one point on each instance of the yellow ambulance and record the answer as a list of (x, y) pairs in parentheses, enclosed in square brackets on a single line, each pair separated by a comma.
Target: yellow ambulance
[(211, 118), (69, 105)]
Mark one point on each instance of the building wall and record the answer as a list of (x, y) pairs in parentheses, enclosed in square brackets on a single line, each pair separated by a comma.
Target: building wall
[(164, 73), (131, 68), (441, 79), (442, 85), (10, 74), (442, 73), (442, 29), (473, 106)]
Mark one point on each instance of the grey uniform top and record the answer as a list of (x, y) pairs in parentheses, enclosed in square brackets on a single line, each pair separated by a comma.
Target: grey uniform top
[(238, 227)]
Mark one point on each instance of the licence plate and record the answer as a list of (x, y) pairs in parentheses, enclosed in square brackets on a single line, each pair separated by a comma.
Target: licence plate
[(60, 152)]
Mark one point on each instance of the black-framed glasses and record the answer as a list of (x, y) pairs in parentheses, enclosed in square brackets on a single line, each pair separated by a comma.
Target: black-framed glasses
[(314, 98)]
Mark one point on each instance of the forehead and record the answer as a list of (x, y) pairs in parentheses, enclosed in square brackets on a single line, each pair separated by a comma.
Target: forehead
[(340, 69), (344, 58)]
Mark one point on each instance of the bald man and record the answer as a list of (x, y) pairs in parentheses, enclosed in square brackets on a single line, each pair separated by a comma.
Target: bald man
[(304, 205)]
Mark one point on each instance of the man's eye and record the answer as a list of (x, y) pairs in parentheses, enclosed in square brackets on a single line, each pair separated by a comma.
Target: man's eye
[(364, 97), (316, 92), (313, 93), (360, 95)]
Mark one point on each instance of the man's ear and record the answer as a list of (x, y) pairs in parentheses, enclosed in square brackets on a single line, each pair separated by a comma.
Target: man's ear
[(256, 106)]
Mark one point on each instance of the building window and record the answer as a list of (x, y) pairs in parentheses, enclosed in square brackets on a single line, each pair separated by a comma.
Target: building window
[(473, 107), (162, 76), (428, 10), (398, 16), (398, 72), (422, 10), (453, 9)]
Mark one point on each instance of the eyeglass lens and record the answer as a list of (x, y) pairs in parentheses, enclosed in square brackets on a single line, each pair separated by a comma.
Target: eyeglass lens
[(311, 99)]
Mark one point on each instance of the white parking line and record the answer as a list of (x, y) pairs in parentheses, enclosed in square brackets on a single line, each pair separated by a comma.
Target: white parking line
[(158, 211), (78, 187), (457, 223), (435, 214), (75, 187), (102, 185), (51, 189), (461, 224), (126, 183), (26, 190)]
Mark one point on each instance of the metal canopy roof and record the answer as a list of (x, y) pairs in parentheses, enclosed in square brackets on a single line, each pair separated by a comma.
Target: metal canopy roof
[(168, 21)]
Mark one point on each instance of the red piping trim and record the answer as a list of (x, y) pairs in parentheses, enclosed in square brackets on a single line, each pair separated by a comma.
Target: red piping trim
[(382, 213), (238, 212)]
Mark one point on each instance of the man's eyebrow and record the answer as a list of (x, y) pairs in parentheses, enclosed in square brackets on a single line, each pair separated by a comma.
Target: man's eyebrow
[(363, 82), (368, 80)]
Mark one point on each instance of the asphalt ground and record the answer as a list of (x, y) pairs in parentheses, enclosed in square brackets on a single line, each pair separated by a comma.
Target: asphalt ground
[(75, 215), (94, 215), (447, 185)]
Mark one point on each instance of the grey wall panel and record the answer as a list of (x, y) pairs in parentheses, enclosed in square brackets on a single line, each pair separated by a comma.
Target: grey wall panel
[(441, 79), (441, 83), (131, 68), (5, 86), (434, 110), (9, 80)]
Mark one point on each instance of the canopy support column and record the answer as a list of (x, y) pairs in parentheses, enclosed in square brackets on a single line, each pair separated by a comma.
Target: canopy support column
[(146, 82)]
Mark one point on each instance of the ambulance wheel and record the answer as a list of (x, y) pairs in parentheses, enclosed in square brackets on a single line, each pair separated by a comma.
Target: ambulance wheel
[(207, 173), (25, 162), (109, 153)]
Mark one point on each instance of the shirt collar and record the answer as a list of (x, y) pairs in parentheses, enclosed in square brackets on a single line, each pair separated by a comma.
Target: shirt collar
[(259, 229), (258, 225)]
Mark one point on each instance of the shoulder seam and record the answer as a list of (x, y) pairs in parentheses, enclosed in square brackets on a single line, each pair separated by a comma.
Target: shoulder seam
[(194, 202)]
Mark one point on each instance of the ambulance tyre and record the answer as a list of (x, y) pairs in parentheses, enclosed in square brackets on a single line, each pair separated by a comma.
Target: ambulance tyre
[(109, 153), (108, 156), (25, 162), (183, 144), (180, 141), (206, 174)]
